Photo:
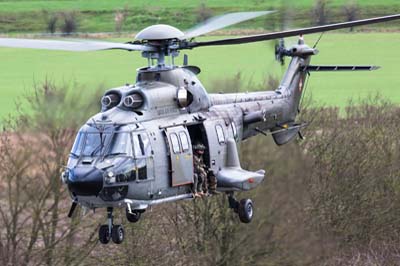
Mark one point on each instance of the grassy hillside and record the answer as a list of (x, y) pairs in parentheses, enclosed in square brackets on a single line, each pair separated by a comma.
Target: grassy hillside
[(99, 16), (106, 5), (108, 69)]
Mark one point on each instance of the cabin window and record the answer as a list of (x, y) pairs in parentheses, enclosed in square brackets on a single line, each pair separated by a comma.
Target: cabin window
[(175, 143), (184, 141), (234, 130), (220, 134)]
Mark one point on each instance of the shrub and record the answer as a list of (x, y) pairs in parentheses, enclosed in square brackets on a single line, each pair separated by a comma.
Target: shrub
[(203, 13), (70, 22)]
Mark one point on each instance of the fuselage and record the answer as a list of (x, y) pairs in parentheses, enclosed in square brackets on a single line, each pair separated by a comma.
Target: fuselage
[(143, 154)]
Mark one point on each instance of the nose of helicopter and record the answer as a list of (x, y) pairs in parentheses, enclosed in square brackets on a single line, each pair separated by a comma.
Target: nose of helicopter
[(85, 181)]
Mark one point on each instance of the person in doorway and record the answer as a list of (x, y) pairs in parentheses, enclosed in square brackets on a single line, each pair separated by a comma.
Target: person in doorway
[(200, 170), (204, 180)]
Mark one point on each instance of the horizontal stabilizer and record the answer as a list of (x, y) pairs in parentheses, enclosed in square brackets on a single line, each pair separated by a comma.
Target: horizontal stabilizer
[(232, 177), (235, 178), (286, 136), (286, 132), (340, 68)]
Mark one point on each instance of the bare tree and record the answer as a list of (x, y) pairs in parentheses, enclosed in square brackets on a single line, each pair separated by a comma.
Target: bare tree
[(320, 12), (33, 148), (354, 183), (50, 20), (351, 11)]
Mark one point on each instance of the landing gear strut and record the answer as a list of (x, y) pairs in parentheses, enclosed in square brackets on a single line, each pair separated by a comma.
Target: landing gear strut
[(111, 231), (133, 216), (244, 208)]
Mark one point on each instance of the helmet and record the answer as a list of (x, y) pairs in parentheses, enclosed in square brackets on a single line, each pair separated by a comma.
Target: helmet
[(199, 146)]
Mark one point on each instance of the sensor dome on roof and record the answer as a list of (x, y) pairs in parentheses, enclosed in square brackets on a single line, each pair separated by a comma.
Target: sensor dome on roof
[(159, 32)]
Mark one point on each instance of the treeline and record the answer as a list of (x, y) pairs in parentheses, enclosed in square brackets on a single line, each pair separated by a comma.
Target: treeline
[(331, 199)]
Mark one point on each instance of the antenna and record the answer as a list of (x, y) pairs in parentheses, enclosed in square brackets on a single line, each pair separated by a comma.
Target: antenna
[(304, 91), (320, 37), (237, 88)]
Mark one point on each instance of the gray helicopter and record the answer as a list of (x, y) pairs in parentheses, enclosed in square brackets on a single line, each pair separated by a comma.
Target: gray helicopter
[(138, 151)]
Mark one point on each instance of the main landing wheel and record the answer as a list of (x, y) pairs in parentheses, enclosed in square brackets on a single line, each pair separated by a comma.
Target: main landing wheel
[(132, 217), (104, 234), (117, 234), (245, 210), (110, 230)]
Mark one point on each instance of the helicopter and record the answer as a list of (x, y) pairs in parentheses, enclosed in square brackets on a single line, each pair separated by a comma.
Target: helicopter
[(137, 152)]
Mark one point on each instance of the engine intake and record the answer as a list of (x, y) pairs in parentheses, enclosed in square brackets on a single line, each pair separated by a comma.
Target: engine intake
[(110, 100), (133, 101)]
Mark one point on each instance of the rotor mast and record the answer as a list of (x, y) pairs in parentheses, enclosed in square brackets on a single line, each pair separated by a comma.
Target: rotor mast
[(164, 56)]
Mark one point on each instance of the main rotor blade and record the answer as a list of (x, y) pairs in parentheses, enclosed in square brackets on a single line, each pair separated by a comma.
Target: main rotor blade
[(219, 22), (76, 46), (290, 33)]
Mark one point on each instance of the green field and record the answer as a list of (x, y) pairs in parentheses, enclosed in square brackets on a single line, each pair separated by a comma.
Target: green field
[(101, 5), (21, 68)]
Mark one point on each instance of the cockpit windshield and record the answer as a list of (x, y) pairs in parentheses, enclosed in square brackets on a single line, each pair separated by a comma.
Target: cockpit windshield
[(102, 144), (110, 145), (95, 144)]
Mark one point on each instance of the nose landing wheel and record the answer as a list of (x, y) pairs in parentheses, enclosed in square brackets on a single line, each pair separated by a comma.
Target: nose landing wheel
[(110, 231)]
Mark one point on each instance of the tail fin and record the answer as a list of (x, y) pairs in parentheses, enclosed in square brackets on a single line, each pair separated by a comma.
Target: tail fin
[(293, 84), (295, 76)]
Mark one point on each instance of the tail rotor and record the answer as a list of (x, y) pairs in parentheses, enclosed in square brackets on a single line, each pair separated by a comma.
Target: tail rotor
[(285, 21), (280, 51)]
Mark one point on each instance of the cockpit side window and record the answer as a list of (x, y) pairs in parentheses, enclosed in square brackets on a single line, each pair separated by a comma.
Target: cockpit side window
[(142, 150), (137, 147), (77, 147), (146, 148), (141, 144), (120, 144)]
